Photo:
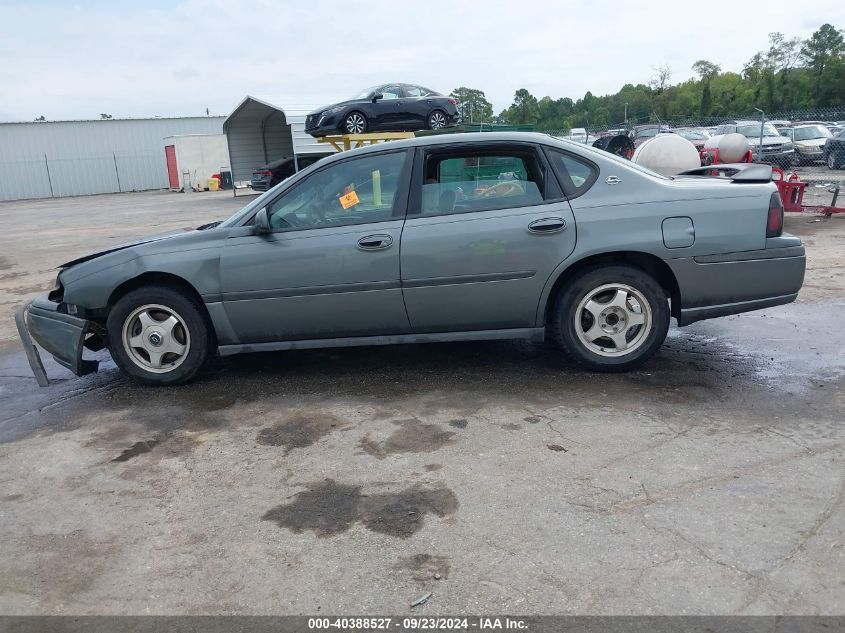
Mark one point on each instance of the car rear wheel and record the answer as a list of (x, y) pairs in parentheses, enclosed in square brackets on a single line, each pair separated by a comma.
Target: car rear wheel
[(611, 319), (159, 335), (355, 123), (436, 120)]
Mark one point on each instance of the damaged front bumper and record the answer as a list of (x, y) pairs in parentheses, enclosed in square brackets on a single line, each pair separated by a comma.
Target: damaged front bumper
[(60, 334)]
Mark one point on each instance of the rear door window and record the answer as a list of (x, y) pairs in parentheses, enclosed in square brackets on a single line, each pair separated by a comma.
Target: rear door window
[(480, 181)]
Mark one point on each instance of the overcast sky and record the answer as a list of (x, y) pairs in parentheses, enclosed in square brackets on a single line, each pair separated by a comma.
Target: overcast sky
[(145, 58)]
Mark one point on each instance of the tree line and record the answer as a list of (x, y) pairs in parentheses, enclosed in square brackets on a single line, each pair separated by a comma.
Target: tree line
[(791, 74)]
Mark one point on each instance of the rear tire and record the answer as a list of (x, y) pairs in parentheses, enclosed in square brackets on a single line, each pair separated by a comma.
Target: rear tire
[(159, 335), (437, 120), (611, 318)]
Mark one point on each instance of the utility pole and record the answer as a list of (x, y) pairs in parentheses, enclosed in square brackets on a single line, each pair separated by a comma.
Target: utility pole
[(626, 114), (760, 146)]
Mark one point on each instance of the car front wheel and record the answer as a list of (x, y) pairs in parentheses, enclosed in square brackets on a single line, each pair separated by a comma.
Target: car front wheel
[(159, 335), (832, 161), (355, 123), (611, 319)]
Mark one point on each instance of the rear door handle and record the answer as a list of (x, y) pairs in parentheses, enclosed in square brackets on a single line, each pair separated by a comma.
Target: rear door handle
[(375, 242), (547, 225)]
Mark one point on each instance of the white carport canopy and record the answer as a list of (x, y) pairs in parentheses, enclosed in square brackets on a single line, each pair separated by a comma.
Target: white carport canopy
[(258, 133)]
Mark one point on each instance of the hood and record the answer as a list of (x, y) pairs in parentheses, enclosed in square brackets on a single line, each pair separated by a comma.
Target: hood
[(334, 105), (768, 140), (152, 238), (811, 142)]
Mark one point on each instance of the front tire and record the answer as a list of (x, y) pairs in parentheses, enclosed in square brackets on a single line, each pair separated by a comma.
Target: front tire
[(610, 319), (355, 123), (159, 335)]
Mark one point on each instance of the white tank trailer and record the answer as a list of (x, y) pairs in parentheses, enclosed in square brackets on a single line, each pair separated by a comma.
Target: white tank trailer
[(732, 147), (667, 154)]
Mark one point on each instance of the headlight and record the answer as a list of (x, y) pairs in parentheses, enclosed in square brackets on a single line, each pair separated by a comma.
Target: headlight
[(787, 145), (333, 110)]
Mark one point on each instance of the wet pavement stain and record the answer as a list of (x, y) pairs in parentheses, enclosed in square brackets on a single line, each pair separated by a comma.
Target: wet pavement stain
[(138, 448), (14, 497), (410, 437), (511, 427), (458, 424), (425, 567), (299, 431), (557, 448), (328, 508), (433, 467), (532, 419)]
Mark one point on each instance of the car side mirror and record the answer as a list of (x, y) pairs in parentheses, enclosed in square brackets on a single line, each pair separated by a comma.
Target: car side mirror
[(377, 96), (262, 221)]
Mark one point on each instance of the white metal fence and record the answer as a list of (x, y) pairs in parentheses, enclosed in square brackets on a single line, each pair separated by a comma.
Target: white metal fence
[(50, 177)]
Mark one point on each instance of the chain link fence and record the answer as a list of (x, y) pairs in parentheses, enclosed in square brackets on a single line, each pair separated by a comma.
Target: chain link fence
[(828, 116)]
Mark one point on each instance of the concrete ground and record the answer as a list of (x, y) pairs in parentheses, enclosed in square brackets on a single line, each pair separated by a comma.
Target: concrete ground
[(494, 475)]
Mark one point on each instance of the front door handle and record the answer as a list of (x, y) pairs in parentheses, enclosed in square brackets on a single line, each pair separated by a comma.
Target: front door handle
[(547, 225), (375, 242)]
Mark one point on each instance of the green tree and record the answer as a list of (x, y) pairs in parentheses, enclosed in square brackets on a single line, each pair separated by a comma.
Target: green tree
[(824, 48), (473, 105), (525, 109)]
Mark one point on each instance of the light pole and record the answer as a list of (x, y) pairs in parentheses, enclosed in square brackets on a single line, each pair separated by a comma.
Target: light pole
[(760, 146), (626, 115)]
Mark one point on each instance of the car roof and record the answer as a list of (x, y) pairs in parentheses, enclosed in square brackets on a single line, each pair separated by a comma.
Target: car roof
[(457, 139)]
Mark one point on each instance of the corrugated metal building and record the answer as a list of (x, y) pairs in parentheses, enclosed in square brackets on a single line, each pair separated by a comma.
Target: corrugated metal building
[(259, 131), (76, 158)]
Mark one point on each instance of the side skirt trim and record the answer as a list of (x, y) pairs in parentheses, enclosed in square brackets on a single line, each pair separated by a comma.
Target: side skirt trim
[(530, 334)]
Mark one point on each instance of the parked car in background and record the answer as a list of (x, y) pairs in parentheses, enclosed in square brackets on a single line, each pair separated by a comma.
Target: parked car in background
[(271, 174), (434, 239), (642, 133), (777, 149), (780, 124), (808, 140), (696, 135), (578, 135), (833, 152), (389, 107)]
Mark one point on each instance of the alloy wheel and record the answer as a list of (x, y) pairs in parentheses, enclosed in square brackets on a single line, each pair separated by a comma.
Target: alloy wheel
[(437, 120), (156, 338), (613, 320), (355, 123)]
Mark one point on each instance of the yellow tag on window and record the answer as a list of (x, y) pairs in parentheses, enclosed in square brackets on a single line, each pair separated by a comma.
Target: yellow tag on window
[(349, 200)]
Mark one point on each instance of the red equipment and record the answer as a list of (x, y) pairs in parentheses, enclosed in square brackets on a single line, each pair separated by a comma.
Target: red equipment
[(791, 192), (711, 157)]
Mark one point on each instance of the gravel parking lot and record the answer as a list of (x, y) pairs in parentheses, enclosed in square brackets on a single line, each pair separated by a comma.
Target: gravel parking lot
[(493, 475)]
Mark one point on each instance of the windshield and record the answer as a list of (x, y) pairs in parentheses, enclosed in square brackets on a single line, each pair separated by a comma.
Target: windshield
[(257, 203), (694, 135), (753, 131), (811, 132), (365, 93)]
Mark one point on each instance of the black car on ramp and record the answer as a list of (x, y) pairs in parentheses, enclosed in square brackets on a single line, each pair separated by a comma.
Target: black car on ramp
[(269, 175), (386, 108)]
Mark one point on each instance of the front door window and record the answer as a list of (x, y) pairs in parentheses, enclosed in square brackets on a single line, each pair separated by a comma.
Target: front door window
[(350, 192)]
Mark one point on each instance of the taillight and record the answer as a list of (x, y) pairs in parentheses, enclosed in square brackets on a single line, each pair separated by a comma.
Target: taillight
[(264, 173), (453, 102), (774, 223)]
